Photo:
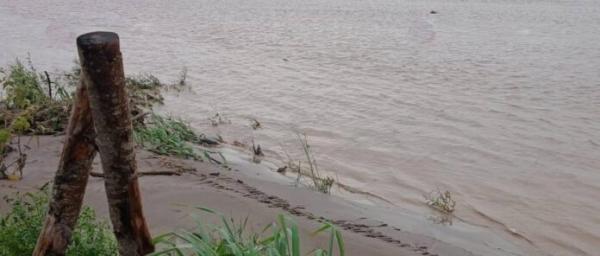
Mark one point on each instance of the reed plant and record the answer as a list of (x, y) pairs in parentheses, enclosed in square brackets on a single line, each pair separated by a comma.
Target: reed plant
[(320, 182)]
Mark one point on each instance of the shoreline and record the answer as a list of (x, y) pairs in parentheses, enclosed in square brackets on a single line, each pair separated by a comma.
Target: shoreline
[(241, 191)]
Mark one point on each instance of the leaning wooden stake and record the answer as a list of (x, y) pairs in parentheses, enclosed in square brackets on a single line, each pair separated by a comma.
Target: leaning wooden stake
[(70, 179), (102, 73)]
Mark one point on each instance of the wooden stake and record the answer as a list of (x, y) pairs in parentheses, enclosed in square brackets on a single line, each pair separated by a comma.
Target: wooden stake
[(102, 73), (70, 179)]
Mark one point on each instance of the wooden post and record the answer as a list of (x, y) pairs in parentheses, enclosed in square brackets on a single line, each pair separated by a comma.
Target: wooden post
[(102, 73), (70, 179)]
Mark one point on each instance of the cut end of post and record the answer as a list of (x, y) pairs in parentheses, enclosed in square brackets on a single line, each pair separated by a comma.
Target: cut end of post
[(98, 39)]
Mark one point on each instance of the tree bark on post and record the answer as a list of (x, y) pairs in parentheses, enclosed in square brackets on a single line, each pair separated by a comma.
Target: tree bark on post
[(70, 180), (102, 73)]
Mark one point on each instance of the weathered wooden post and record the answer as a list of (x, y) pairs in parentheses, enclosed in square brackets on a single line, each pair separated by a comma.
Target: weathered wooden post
[(70, 179), (102, 74)]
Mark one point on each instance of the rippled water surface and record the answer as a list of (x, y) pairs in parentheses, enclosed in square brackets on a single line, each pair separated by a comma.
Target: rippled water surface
[(497, 101)]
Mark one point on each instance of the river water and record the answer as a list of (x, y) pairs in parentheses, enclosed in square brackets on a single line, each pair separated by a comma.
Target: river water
[(496, 101)]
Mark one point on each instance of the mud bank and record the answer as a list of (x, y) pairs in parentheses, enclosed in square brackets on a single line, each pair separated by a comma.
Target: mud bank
[(240, 190)]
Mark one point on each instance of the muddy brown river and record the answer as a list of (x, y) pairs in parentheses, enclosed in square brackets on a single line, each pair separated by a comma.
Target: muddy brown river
[(496, 101)]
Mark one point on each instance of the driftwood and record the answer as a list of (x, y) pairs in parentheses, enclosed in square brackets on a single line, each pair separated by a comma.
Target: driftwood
[(102, 73), (70, 180)]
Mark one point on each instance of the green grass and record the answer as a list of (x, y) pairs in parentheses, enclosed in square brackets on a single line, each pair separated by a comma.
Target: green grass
[(28, 95), (173, 137), (167, 136), (282, 238), (20, 227), (45, 100)]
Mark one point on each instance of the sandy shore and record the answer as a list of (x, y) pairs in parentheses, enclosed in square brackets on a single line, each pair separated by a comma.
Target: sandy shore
[(237, 193)]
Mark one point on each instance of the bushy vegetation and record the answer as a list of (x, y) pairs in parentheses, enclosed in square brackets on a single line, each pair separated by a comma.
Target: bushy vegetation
[(27, 108), (30, 107), (22, 87), (36, 103), (45, 109), (45, 101), (230, 239), (20, 227)]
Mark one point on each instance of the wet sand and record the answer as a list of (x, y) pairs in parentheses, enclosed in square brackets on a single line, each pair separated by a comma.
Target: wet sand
[(168, 201)]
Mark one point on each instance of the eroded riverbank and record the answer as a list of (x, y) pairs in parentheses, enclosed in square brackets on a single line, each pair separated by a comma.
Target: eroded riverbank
[(239, 193)]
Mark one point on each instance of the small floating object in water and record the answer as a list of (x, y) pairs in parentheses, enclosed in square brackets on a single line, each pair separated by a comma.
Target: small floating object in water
[(255, 124), (282, 169), (258, 154), (433, 12), (239, 144), (285, 59), (209, 141), (257, 150)]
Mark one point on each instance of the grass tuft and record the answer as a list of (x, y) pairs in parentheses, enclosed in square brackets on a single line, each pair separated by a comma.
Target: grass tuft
[(231, 238), (173, 137), (167, 136), (441, 201)]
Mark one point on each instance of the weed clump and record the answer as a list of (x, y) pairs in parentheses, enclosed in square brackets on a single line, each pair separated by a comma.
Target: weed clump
[(231, 239), (172, 137), (26, 98), (20, 227), (441, 201), (144, 93), (167, 136)]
